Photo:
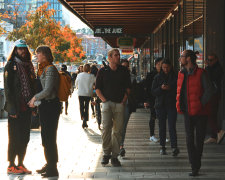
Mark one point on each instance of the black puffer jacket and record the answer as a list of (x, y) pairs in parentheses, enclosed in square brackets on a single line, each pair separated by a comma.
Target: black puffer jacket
[(12, 87), (165, 97)]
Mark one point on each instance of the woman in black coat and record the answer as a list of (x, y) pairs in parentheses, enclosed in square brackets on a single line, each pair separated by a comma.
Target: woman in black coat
[(164, 88)]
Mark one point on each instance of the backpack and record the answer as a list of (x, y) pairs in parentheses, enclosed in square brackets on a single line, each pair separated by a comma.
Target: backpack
[(64, 85)]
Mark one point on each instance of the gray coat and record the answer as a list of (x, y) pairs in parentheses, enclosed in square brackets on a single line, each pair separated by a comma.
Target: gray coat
[(50, 84)]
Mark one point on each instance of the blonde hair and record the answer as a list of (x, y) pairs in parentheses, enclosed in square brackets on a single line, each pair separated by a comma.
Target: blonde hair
[(111, 51)]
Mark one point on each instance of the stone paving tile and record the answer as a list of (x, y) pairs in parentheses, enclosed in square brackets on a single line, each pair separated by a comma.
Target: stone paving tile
[(80, 152)]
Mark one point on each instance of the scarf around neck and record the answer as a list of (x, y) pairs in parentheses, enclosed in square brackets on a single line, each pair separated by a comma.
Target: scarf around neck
[(26, 73), (41, 67)]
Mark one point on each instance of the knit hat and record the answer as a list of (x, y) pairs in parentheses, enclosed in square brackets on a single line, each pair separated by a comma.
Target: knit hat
[(20, 43)]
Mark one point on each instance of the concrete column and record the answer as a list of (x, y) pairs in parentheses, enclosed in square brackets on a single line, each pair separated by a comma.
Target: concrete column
[(215, 40)]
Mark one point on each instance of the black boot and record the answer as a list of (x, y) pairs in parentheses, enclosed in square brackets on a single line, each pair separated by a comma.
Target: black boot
[(105, 159), (51, 171), (43, 169), (175, 151), (163, 151), (194, 172)]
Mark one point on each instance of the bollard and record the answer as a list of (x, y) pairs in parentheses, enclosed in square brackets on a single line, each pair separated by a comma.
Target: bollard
[(3, 113)]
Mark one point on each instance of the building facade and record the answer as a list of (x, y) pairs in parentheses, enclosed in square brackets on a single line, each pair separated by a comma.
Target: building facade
[(198, 25), (23, 6)]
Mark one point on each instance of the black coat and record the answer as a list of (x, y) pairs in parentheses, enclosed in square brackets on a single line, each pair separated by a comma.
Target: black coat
[(215, 73), (12, 87), (165, 97), (148, 86)]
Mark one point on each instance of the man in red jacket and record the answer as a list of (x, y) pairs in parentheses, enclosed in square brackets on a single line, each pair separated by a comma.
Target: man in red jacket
[(193, 93)]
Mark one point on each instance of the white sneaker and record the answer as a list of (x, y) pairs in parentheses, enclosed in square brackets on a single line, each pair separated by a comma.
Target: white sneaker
[(167, 140), (153, 139)]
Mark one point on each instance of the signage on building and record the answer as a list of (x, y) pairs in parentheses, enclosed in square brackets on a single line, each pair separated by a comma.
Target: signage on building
[(125, 42), (135, 56), (100, 31), (127, 51)]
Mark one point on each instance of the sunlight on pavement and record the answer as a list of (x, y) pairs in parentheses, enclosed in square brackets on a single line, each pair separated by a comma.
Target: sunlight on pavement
[(79, 150)]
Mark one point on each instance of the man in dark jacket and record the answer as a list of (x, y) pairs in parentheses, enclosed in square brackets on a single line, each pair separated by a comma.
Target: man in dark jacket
[(194, 91), (112, 87), (19, 79), (215, 72)]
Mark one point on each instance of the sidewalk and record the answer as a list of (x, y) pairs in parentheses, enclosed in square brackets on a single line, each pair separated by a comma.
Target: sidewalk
[(80, 152)]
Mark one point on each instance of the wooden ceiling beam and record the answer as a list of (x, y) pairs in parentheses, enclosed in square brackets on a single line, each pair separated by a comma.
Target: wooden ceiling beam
[(170, 2), (125, 9), (118, 5), (121, 14)]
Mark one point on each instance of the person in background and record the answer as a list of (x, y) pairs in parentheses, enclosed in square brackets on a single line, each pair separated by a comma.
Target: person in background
[(80, 69), (19, 86), (112, 87), (85, 82), (215, 72), (164, 88), (95, 101), (49, 109), (150, 99), (64, 69), (73, 79), (130, 107), (194, 91)]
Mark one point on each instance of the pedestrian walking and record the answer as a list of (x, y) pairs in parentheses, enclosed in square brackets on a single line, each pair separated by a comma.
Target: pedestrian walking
[(130, 107), (19, 86), (150, 99), (194, 91), (85, 82), (49, 109), (215, 72), (164, 88), (69, 77), (112, 87), (95, 100)]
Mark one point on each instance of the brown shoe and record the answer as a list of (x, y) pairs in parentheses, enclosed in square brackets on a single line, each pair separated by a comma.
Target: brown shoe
[(220, 136), (210, 141)]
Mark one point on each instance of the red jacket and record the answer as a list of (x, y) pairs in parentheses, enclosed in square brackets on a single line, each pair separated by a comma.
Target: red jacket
[(194, 93)]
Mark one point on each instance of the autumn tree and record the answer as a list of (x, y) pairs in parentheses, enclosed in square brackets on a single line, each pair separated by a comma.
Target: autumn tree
[(1, 28), (42, 28)]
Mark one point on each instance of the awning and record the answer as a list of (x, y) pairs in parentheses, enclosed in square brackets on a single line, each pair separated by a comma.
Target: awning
[(139, 18)]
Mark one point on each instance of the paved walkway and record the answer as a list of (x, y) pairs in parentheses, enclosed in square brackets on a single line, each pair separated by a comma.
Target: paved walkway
[(80, 152)]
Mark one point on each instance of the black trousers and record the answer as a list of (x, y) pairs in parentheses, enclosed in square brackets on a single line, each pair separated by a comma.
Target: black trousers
[(163, 113), (212, 118), (195, 127), (84, 107), (152, 120), (19, 136), (49, 118), (98, 113)]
